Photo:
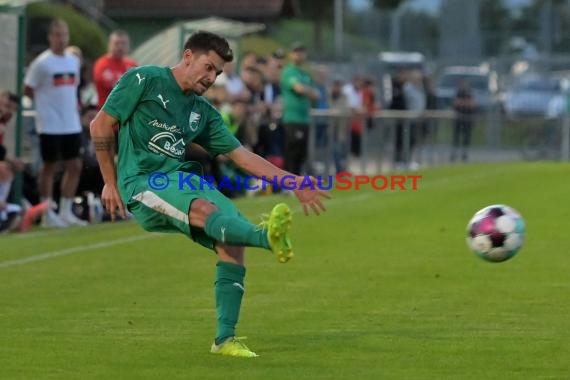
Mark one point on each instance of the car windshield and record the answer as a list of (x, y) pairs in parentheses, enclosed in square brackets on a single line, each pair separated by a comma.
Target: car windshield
[(546, 85), (476, 82)]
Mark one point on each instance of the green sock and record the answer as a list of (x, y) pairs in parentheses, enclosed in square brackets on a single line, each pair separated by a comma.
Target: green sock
[(229, 291), (235, 230)]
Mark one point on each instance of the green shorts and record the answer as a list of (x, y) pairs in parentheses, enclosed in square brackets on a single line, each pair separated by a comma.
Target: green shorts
[(167, 210)]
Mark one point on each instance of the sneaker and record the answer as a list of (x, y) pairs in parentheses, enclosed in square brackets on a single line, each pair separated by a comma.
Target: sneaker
[(51, 219), (31, 214), (278, 226), (72, 220), (233, 347)]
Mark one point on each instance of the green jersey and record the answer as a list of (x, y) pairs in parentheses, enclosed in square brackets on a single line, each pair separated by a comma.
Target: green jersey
[(296, 107), (157, 120)]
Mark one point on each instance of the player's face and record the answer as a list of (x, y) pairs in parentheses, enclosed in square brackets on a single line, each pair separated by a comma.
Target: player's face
[(299, 56), (202, 70), (58, 38), (118, 46), (6, 106)]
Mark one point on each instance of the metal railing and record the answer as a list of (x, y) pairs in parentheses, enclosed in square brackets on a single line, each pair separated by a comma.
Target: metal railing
[(495, 138)]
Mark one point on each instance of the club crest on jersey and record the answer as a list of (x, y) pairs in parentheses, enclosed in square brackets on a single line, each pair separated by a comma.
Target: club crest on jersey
[(166, 143), (194, 121)]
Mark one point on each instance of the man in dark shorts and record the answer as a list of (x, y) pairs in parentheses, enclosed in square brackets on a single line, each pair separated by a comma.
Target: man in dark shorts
[(52, 81)]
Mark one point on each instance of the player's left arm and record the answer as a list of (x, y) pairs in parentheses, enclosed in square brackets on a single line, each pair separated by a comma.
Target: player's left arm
[(309, 195)]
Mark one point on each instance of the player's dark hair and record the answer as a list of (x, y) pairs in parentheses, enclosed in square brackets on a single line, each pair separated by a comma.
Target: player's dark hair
[(202, 41)]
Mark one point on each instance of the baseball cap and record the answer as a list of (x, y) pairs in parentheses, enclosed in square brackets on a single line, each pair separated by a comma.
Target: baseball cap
[(278, 54), (298, 46)]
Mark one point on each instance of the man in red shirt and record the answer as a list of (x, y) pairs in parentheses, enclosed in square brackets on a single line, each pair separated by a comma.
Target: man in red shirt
[(110, 67)]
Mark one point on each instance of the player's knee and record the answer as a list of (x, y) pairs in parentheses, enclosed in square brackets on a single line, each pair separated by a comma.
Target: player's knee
[(230, 253), (202, 208), (74, 165)]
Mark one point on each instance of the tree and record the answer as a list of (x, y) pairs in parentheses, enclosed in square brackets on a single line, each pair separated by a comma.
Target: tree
[(495, 26), (387, 4), (83, 32), (321, 13)]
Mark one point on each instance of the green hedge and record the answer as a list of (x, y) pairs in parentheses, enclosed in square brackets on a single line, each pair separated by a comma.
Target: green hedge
[(84, 32)]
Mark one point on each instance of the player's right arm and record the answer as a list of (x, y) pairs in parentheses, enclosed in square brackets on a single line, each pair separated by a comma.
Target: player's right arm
[(119, 107), (294, 82), (305, 90), (103, 137), (33, 78)]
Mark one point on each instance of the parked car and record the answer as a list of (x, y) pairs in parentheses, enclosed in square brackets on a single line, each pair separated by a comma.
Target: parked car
[(483, 84), (539, 96)]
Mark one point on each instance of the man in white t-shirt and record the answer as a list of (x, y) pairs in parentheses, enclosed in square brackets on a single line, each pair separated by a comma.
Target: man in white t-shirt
[(52, 81)]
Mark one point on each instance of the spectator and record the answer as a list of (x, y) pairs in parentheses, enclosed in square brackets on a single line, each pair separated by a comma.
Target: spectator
[(416, 103), (464, 107), (398, 103), (368, 96), (339, 102), (257, 108), (12, 216), (352, 92), (320, 83), (234, 85), (273, 69), (249, 60), (52, 81), (86, 92), (236, 120), (8, 106), (110, 67), (297, 92), (91, 180), (270, 133), (429, 128)]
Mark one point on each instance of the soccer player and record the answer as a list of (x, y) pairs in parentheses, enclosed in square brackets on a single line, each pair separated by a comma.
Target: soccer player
[(160, 110)]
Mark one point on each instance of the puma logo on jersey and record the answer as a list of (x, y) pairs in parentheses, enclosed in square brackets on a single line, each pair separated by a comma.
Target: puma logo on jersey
[(140, 78), (162, 100)]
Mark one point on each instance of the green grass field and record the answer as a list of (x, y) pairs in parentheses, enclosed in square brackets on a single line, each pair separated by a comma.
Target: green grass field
[(382, 287)]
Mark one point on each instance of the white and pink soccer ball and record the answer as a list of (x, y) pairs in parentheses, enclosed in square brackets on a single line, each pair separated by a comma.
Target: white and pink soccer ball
[(496, 233)]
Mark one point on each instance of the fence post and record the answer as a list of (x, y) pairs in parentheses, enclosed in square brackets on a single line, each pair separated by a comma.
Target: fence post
[(565, 145), (407, 142), (310, 162), (363, 150)]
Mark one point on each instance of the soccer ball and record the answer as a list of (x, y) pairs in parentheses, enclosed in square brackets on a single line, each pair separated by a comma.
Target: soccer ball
[(496, 233)]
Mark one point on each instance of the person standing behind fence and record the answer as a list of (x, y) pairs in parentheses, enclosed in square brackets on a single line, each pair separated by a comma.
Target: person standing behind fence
[(270, 139), (340, 104), (110, 67), (464, 107), (398, 103), (297, 93), (52, 81), (416, 103), (352, 91)]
